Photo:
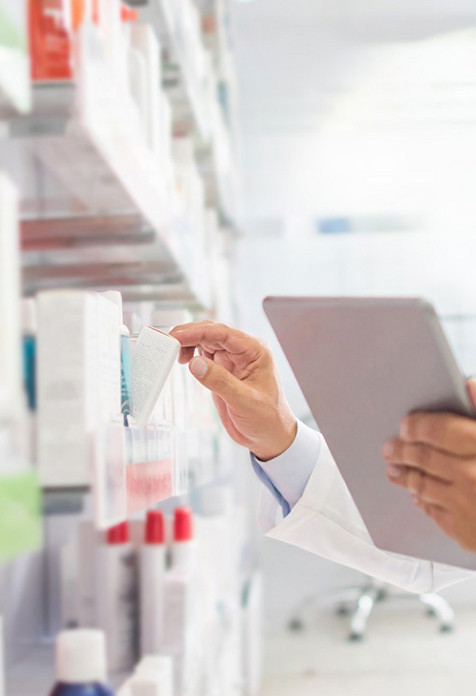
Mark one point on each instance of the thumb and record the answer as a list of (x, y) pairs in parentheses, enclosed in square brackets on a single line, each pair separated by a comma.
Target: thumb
[(220, 381), (471, 387)]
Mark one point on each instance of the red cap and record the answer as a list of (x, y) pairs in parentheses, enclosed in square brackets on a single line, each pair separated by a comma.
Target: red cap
[(154, 527), (118, 534), (128, 14), (183, 524)]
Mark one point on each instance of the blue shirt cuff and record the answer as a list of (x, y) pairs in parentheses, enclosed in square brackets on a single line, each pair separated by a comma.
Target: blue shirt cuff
[(287, 475)]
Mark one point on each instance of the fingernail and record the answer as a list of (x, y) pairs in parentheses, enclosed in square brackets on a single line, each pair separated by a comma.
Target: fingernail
[(394, 471), (388, 449), (199, 367)]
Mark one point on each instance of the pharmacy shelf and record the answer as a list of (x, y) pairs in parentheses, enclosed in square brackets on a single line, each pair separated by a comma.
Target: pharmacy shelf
[(181, 77), (15, 94), (76, 154), (90, 184)]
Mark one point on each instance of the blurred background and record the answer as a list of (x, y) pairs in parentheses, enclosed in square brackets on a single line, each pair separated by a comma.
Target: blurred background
[(357, 124), (196, 156)]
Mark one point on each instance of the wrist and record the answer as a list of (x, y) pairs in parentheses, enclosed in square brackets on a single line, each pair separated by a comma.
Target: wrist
[(265, 452)]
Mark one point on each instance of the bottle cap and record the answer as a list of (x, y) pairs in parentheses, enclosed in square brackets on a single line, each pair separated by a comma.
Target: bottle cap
[(155, 527), (81, 657), (118, 534), (128, 14), (183, 524)]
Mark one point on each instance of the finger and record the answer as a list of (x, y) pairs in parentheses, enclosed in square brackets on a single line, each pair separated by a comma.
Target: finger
[(471, 389), (215, 337), (221, 382), (445, 431), (222, 358), (185, 355), (441, 517), (420, 456), (206, 354), (426, 488)]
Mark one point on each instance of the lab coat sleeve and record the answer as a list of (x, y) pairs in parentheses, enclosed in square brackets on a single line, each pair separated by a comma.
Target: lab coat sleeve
[(326, 521)]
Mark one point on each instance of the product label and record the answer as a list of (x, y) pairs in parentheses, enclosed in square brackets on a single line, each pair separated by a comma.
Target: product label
[(20, 510)]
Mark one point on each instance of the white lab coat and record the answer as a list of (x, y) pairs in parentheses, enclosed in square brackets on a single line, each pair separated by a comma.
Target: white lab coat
[(326, 521)]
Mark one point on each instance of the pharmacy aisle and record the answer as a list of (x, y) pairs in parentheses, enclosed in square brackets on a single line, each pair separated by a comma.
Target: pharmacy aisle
[(124, 543)]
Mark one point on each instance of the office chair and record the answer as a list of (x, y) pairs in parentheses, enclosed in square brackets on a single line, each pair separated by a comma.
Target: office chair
[(359, 602)]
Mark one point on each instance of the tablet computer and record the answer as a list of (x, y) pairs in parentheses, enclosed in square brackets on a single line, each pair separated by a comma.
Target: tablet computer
[(363, 364)]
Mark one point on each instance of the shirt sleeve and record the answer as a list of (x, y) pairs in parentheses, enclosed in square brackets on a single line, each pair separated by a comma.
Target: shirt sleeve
[(287, 475)]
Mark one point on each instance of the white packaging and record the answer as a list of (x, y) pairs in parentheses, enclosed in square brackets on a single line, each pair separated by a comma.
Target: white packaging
[(116, 605), (144, 42), (166, 135), (10, 342), (138, 86), (153, 357), (79, 381)]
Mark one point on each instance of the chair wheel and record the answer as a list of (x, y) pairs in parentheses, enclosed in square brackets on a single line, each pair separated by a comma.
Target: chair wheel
[(355, 637), (446, 628), (295, 625)]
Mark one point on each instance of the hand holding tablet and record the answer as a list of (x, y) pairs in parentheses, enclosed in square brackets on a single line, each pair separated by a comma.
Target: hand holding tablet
[(434, 458), (363, 364)]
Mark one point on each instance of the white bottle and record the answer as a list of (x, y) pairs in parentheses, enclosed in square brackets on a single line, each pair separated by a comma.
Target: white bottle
[(152, 574), (117, 597), (181, 599), (81, 664)]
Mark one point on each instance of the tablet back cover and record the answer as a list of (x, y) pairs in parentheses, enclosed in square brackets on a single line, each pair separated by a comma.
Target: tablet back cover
[(363, 364)]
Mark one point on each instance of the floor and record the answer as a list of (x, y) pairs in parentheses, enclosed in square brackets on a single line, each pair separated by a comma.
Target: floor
[(403, 654)]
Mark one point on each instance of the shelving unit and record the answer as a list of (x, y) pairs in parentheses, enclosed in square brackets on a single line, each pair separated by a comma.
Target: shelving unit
[(99, 210)]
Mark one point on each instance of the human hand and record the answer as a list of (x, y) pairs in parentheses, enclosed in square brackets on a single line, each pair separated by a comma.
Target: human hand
[(435, 460), (240, 372)]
